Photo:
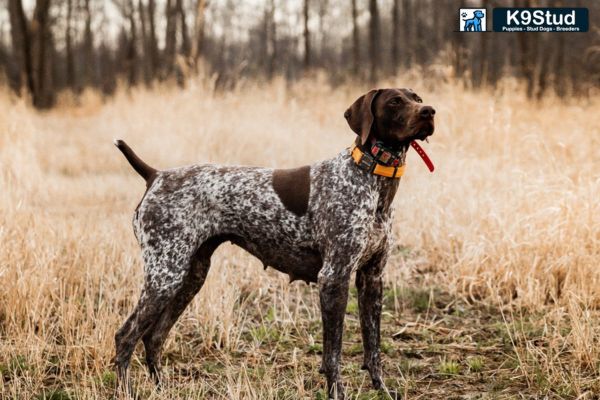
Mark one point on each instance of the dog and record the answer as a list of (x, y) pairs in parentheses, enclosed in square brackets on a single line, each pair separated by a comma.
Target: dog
[(320, 223), (474, 24)]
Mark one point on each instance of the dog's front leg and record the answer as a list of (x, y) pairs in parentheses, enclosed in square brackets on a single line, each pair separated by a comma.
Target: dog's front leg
[(333, 293), (369, 283)]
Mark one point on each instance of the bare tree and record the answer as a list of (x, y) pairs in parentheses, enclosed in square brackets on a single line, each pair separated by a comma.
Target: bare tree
[(21, 44), (69, 46), (152, 41), (547, 56), (528, 55), (374, 41), (42, 50), (199, 30), (146, 51), (355, 40), (560, 67), (130, 54), (395, 39), (33, 48), (270, 38), (307, 52), (276, 45), (88, 45), (170, 37), (408, 31), (322, 34), (185, 37)]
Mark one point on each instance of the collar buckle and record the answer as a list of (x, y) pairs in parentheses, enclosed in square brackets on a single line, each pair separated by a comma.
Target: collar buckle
[(385, 155), (367, 162)]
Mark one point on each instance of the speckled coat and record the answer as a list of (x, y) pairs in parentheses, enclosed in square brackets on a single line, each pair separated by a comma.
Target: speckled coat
[(347, 219)]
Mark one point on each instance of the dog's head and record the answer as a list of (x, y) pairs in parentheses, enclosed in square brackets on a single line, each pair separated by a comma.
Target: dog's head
[(394, 116), (478, 14)]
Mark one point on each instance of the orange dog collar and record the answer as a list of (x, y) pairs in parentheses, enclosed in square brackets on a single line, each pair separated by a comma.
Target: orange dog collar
[(368, 163)]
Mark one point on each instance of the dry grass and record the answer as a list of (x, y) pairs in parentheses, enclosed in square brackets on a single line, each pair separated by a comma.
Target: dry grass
[(493, 288)]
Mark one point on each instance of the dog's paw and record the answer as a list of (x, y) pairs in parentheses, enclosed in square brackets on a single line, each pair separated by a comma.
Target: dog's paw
[(377, 383)]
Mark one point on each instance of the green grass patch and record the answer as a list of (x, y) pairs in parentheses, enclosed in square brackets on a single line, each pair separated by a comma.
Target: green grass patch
[(449, 367), (475, 364), (264, 333), (419, 300), (352, 307), (315, 348), (109, 378), (54, 394)]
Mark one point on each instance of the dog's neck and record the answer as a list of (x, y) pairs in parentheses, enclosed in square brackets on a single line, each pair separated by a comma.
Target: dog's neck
[(373, 146), (387, 187)]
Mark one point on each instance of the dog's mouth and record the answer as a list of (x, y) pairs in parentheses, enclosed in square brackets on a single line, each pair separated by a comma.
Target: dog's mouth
[(422, 131)]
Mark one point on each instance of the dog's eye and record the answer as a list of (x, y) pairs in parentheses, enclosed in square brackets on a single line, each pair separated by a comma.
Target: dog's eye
[(396, 101)]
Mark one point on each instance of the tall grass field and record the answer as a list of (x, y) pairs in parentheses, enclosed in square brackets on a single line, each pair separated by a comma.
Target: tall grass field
[(492, 288)]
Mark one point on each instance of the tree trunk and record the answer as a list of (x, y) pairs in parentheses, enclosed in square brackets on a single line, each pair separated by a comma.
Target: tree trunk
[(355, 41), (395, 39), (437, 10), (198, 31), (408, 32), (132, 57), (547, 55), (152, 41), (170, 37), (323, 42), (482, 73), (527, 56), (41, 39), (146, 63), (307, 54), (374, 40), (21, 45), (90, 76), (271, 38), (185, 37), (69, 47), (560, 72)]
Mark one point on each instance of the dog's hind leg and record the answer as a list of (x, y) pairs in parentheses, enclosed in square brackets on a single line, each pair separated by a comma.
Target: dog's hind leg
[(165, 271), (145, 312), (369, 283), (156, 335)]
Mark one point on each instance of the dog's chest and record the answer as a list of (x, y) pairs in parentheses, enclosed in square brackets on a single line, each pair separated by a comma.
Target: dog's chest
[(379, 227), (378, 235)]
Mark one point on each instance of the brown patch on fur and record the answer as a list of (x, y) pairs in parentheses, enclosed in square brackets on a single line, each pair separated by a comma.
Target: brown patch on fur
[(293, 188)]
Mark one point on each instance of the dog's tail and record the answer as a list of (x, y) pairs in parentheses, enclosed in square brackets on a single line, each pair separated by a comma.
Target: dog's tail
[(146, 171)]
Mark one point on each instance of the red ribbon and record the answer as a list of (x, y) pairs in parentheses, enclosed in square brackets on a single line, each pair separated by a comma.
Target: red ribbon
[(423, 155)]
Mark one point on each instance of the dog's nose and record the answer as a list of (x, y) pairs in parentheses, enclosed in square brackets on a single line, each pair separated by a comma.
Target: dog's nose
[(427, 112)]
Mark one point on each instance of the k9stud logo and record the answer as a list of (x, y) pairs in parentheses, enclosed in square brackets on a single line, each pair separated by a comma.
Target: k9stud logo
[(472, 19), (541, 19)]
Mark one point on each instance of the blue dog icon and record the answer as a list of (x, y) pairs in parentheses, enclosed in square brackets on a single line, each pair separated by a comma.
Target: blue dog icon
[(474, 24)]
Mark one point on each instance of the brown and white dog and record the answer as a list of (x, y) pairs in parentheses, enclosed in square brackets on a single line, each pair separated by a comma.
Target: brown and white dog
[(319, 223)]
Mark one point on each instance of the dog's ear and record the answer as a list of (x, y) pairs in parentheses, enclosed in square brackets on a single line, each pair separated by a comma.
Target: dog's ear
[(360, 115)]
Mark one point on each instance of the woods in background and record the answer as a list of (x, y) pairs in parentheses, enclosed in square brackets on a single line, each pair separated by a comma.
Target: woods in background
[(74, 44)]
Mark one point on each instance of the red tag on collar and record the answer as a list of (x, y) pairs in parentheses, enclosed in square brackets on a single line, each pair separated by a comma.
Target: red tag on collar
[(423, 155)]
